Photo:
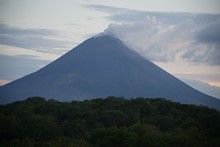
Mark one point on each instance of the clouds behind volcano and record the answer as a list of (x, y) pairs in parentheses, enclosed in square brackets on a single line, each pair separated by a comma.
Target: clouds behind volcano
[(157, 40)]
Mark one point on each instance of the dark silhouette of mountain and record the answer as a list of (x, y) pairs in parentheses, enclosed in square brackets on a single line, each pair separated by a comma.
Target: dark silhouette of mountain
[(99, 67)]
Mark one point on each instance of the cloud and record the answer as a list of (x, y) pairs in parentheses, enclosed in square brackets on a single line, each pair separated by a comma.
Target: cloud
[(103, 8), (41, 40), (166, 36), (155, 40), (8, 30), (200, 53), (210, 33), (165, 42), (206, 48), (118, 14)]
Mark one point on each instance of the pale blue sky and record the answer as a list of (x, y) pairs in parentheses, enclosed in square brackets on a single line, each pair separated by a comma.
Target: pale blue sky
[(36, 32)]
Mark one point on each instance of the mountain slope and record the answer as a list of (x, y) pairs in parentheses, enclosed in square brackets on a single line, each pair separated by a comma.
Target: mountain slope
[(204, 87), (99, 67)]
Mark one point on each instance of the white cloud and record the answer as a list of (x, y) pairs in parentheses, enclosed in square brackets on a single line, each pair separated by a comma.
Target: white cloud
[(166, 36), (161, 41), (156, 40)]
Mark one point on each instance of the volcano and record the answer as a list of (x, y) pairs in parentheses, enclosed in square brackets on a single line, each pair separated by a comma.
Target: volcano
[(99, 67)]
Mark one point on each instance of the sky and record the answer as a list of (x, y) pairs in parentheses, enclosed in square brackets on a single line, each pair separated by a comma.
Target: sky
[(182, 37)]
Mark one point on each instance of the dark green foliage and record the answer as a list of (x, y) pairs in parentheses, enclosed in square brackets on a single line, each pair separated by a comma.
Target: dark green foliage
[(108, 122)]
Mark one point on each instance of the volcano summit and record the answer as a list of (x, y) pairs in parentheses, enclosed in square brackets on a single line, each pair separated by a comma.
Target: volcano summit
[(99, 67)]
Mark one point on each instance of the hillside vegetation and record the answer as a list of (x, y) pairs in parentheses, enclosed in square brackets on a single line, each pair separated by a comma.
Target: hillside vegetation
[(108, 122)]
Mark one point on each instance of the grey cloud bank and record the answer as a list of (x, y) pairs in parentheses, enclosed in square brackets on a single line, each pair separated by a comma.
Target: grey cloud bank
[(164, 37), (9, 30), (210, 33), (37, 40), (130, 15), (42, 40)]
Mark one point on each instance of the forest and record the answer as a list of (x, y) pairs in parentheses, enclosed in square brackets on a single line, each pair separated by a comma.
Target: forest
[(109, 122)]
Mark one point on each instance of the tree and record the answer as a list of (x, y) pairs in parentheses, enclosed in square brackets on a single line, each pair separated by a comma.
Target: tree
[(114, 117)]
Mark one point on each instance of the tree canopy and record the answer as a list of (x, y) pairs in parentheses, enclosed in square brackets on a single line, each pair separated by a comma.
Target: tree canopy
[(112, 121)]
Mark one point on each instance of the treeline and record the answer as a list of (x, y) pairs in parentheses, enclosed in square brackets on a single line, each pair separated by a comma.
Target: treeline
[(110, 122)]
